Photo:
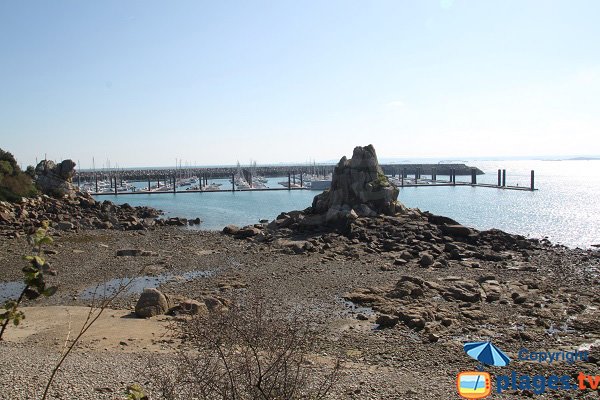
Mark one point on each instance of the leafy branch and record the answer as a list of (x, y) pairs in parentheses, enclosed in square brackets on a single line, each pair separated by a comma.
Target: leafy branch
[(34, 278)]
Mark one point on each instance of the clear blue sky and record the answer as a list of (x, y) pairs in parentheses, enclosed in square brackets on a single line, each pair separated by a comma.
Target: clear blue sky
[(212, 82)]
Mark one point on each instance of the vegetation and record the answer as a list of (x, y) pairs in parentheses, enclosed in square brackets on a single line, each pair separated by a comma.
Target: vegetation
[(381, 181), (246, 352), (34, 279), (14, 183)]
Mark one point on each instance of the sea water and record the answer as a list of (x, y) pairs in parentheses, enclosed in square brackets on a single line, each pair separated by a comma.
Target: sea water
[(566, 208)]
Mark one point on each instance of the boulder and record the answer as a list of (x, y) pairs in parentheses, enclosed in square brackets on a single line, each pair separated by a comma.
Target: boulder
[(190, 307), (387, 321), (55, 179), (151, 303), (456, 230), (213, 304), (247, 231), (426, 260), (231, 229), (357, 184)]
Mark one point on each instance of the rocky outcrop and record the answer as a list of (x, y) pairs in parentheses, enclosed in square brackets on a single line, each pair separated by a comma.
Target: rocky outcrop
[(73, 213), (55, 179), (358, 188), (361, 208)]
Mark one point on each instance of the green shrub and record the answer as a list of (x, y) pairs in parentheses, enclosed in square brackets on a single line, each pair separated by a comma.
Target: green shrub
[(14, 183)]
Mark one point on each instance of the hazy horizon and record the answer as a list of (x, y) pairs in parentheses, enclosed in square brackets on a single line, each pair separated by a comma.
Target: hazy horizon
[(211, 83)]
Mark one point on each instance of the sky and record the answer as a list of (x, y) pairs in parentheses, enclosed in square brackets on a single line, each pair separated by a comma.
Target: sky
[(143, 83)]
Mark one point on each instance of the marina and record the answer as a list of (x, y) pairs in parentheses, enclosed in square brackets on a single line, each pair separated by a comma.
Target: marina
[(193, 181)]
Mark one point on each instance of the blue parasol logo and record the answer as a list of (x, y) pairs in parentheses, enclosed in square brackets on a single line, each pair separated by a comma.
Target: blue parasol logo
[(486, 353)]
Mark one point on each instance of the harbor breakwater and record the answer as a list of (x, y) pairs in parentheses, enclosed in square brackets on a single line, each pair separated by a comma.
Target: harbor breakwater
[(141, 174)]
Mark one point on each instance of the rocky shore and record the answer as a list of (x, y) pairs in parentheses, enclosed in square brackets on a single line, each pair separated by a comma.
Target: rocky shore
[(395, 292), (79, 212)]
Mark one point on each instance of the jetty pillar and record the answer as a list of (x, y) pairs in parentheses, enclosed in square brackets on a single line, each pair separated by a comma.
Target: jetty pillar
[(174, 184), (289, 181), (499, 178), (96, 178), (473, 176), (233, 182), (532, 180), (301, 180), (148, 182), (116, 190), (503, 178)]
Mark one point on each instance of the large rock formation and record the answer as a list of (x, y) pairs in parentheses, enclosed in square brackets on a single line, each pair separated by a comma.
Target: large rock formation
[(358, 188), (55, 179)]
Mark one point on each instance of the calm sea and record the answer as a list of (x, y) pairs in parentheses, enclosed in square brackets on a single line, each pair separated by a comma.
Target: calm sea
[(566, 208)]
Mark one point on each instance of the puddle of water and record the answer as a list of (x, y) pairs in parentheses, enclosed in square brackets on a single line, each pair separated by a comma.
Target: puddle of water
[(10, 290), (356, 309), (138, 284)]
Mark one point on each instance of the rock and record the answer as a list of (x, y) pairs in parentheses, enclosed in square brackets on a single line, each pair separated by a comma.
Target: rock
[(433, 338), (176, 221), (65, 226), (426, 260), (6, 217), (400, 261), (231, 229), (213, 304), (387, 321), (134, 253), (364, 210), (464, 291), (412, 319), (190, 307), (55, 180), (357, 184), (456, 230), (151, 303), (247, 232)]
